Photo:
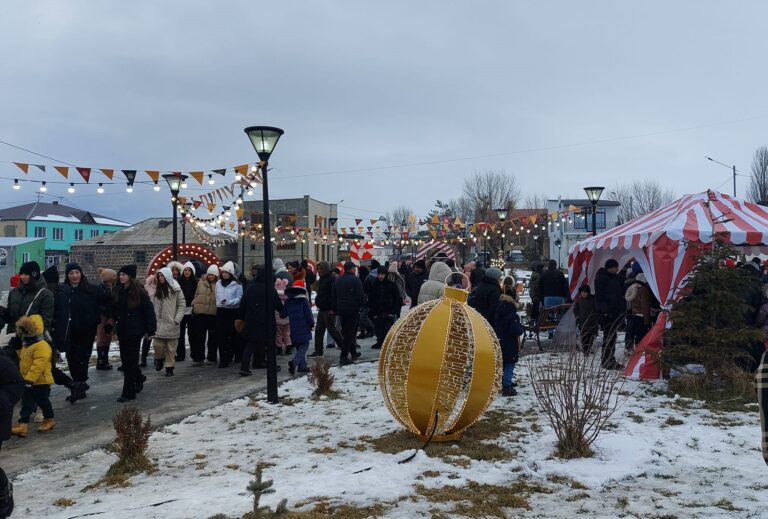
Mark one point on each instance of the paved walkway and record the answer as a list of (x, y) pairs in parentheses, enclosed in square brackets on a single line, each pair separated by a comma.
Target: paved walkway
[(87, 424)]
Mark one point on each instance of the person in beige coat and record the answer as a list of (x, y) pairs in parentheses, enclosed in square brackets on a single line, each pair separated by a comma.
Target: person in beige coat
[(169, 309), (204, 318), (434, 287)]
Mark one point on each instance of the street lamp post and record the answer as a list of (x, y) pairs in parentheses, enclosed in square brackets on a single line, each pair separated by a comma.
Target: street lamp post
[(264, 140), (732, 168), (502, 214), (186, 208), (174, 182), (593, 194)]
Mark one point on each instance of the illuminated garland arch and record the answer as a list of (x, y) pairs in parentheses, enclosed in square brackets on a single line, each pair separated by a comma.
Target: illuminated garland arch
[(185, 249)]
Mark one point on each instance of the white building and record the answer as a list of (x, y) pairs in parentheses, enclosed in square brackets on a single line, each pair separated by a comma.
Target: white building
[(573, 226)]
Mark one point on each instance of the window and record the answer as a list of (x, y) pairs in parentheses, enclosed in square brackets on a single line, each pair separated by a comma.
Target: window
[(584, 220), (25, 257), (78, 234), (94, 233), (89, 258), (58, 233), (39, 232), (10, 231), (140, 256)]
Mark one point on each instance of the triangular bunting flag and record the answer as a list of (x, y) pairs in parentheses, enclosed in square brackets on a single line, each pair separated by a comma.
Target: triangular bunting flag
[(108, 172), (435, 220), (130, 175), (211, 207), (197, 175), (63, 170), (231, 226), (370, 229), (532, 219), (332, 221), (154, 175), (239, 212), (373, 221), (573, 208), (358, 220), (197, 203), (457, 221), (23, 167), (433, 233), (230, 189), (40, 167), (85, 173), (242, 169), (219, 171)]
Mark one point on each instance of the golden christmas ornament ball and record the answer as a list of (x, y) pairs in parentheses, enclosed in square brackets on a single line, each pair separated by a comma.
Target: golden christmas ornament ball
[(440, 367)]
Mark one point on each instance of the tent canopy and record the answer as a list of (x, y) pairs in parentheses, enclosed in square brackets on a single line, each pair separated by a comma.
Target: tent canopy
[(666, 242)]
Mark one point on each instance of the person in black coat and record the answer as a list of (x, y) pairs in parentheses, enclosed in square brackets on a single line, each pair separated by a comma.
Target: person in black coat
[(134, 318), (610, 306), (508, 329), (188, 283), (348, 297), (417, 277), (384, 303), (326, 317), (11, 388), (76, 315), (485, 296), (553, 286), (252, 311)]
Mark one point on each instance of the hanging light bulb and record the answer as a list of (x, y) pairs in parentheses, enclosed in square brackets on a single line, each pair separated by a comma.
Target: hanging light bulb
[(100, 189), (183, 184), (156, 186), (210, 180), (16, 184), (129, 188), (43, 187), (254, 169), (71, 188), (250, 192)]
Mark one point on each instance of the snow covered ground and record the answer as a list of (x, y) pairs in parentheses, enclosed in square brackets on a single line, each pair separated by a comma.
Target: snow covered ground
[(665, 457)]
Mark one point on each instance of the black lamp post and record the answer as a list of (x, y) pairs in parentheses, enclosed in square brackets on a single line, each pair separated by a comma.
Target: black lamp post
[(593, 194), (502, 214), (186, 208), (174, 182), (264, 140)]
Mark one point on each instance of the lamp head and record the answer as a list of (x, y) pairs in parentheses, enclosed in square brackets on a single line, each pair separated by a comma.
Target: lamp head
[(593, 193), (174, 181), (501, 213), (264, 139)]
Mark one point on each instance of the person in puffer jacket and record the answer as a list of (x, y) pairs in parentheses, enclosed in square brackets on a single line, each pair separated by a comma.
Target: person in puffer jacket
[(434, 287), (283, 332), (204, 319), (169, 311), (228, 295), (301, 323)]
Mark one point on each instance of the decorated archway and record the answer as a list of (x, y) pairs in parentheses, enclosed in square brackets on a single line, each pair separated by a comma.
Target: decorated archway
[(190, 250)]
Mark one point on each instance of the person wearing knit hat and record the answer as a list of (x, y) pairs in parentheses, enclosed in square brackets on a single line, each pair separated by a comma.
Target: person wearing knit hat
[(416, 278), (29, 297), (104, 331), (228, 295), (78, 307), (204, 319), (611, 307), (188, 284), (31, 269), (51, 277), (128, 270), (485, 297)]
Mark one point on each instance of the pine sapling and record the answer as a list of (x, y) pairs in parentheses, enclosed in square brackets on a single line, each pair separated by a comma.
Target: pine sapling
[(258, 488)]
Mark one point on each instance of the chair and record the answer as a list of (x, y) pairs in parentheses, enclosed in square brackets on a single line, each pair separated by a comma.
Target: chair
[(548, 320)]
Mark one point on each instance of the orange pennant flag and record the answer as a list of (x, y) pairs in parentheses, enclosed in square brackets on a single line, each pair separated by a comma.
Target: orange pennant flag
[(211, 207), (242, 169), (239, 213), (532, 219), (197, 175), (373, 221), (154, 175), (23, 167), (108, 172), (63, 170), (231, 226)]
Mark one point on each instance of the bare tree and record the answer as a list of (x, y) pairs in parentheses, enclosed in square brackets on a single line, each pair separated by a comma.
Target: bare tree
[(462, 208), (758, 183), (639, 197), (535, 201), (489, 190), (398, 215)]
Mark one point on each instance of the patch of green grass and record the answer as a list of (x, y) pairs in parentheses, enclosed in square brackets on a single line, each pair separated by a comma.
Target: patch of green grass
[(64, 502), (577, 497), (672, 421), (635, 417), (566, 480), (484, 500), (726, 504)]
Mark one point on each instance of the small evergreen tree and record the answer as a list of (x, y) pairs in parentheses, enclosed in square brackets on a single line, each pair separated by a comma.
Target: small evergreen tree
[(711, 321)]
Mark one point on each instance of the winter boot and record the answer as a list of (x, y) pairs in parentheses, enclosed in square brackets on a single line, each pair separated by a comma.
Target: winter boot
[(168, 372), (75, 391), (291, 367), (158, 365), (508, 391), (140, 383), (20, 429), (102, 359), (145, 344), (47, 425)]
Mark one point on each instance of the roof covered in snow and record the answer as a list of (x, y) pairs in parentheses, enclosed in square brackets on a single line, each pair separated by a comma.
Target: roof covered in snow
[(152, 231), (56, 212)]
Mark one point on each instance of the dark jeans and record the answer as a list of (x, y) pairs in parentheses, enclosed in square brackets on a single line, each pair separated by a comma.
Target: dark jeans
[(227, 338), (79, 354), (326, 321), (31, 398), (255, 348), (610, 323), (365, 323), (181, 346), (349, 322), (637, 328), (129, 356), (382, 323), (202, 325), (588, 335)]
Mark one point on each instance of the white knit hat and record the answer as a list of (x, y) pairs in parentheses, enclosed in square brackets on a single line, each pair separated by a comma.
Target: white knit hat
[(229, 267), (213, 269)]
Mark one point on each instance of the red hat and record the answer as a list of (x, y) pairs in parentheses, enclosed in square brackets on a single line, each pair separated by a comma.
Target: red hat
[(299, 283)]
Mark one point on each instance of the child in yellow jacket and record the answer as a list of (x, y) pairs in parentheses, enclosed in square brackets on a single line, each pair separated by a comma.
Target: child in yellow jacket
[(35, 367)]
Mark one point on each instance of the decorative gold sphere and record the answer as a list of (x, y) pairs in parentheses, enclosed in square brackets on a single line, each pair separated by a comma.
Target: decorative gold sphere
[(440, 367)]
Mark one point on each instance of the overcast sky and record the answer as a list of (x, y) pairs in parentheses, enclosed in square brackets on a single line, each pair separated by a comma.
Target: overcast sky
[(412, 95)]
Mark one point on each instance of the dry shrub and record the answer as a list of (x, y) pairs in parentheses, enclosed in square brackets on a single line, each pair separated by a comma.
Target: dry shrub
[(578, 397), (729, 389), (131, 442), (321, 378)]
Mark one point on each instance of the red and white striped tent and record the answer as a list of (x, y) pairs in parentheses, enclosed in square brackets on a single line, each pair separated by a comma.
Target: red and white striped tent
[(435, 247), (359, 252), (665, 243)]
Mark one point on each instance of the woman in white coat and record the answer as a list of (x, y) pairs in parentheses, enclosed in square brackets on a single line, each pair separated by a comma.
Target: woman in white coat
[(228, 295), (169, 304), (434, 286)]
